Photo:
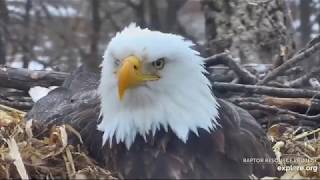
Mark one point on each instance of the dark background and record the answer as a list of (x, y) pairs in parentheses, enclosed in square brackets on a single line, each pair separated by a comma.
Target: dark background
[(62, 34)]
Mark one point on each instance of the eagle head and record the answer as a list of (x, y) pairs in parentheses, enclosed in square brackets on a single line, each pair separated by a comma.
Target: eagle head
[(149, 80)]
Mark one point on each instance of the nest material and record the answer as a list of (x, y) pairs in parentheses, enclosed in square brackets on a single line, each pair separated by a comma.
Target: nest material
[(22, 155), (297, 152)]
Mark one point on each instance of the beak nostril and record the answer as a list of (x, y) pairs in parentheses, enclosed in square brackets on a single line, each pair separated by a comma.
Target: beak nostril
[(135, 67)]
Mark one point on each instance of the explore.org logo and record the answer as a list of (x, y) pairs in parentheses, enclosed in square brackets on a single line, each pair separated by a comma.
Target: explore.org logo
[(313, 168)]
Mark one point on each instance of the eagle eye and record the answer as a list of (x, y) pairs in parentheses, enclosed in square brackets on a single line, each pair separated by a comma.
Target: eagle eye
[(116, 62), (158, 64)]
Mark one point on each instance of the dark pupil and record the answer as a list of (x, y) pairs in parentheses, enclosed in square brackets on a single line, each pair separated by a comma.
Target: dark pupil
[(158, 63)]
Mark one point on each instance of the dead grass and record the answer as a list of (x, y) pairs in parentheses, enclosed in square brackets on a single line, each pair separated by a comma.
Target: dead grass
[(24, 156), (297, 151)]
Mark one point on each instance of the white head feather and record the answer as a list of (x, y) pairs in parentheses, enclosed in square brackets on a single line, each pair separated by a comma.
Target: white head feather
[(181, 99)]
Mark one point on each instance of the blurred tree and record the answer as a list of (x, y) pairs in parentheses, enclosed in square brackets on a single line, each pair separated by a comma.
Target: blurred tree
[(172, 22), (156, 15), (318, 15), (62, 34), (159, 15), (254, 31), (94, 59), (3, 21), (2, 49), (305, 27), (163, 16), (26, 35)]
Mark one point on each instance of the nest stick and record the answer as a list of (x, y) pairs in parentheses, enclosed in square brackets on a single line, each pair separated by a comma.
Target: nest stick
[(272, 91), (290, 63), (274, 109), (225, 59)]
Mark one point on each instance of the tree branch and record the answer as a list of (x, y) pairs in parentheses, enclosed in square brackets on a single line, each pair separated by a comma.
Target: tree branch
[(17, 104), (278, 92), (299, 81), (290, 63), (274, 109), (224, 58), (23, 79)]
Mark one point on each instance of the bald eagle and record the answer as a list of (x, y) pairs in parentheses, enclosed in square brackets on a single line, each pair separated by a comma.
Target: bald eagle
[(153, 113)]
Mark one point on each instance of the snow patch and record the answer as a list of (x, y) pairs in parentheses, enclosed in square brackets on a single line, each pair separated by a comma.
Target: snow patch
[(38, 92)]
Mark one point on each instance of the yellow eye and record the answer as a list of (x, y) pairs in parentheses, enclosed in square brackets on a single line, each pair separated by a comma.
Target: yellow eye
[(158, 64)]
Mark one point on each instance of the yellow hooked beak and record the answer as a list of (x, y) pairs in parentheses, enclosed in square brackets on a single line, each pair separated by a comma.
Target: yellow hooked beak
[(130, 75)]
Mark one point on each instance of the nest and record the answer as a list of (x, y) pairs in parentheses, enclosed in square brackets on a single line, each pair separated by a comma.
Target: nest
[(22, 155), (297, 152)]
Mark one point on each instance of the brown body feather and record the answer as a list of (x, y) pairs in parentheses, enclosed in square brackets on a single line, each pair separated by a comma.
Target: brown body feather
[(218, 154)]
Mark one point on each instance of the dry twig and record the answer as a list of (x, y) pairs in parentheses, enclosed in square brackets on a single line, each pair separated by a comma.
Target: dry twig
[(290, 63), (226, 59), (278, 92), (274, 109), (299, 81), (17, 104)]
